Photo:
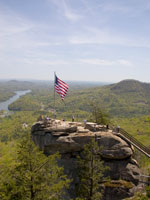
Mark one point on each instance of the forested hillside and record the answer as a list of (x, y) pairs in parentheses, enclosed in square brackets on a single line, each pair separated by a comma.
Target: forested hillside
[(127, 103), (7, 89), (127, 98)]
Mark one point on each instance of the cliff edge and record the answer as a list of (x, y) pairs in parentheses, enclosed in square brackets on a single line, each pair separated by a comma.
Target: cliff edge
[(69, 138)]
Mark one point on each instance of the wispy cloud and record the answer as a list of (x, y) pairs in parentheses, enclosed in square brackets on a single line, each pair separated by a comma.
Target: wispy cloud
[(97, 62), (43, 62), (66, 10), (14, 31), (102, 62), (98, 36), (129, 8), (19, 35), (115, 7), (48, 44), (11, 24), (74, 34), (125, 62), (70, 13)]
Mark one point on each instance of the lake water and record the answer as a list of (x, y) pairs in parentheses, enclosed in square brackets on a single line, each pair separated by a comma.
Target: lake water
[(4, 105)]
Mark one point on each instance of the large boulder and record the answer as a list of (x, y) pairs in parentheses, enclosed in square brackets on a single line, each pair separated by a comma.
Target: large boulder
[(69, 138), (114, 147)]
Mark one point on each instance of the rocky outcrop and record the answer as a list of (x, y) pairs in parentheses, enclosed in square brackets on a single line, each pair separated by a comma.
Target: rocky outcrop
[(69, 138)]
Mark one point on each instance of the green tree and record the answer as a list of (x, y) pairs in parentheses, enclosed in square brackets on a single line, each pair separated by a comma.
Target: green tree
[(98, 115), (7, 163), (138, 196), (35, 176), (91, 170)]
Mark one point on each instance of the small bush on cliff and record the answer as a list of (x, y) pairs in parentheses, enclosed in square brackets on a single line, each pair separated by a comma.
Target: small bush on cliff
[(138, 196), (34, 176), (91, 171)]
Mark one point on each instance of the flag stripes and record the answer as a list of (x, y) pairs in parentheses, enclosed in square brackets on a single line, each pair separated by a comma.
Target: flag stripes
[(61, 87)]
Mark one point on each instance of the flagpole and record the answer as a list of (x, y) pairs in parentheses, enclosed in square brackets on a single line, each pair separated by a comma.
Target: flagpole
[(54, 97), (63, 102)]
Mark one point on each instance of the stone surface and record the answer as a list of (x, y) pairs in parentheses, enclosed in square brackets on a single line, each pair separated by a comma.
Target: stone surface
[(69, 138)]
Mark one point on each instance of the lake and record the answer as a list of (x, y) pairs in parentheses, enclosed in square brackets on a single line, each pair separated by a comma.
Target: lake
[(4, 105)]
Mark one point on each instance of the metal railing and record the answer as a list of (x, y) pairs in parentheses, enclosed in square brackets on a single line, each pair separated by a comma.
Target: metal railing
[(133, 141)]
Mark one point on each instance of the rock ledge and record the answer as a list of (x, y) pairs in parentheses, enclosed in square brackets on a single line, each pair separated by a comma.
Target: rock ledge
[(69, 138)]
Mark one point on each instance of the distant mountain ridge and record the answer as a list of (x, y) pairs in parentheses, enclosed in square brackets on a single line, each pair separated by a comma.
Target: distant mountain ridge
[(131, 85), (129, 97), (126, 98)]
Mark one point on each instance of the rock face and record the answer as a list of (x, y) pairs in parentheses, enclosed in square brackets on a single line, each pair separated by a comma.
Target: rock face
[(69, 138)]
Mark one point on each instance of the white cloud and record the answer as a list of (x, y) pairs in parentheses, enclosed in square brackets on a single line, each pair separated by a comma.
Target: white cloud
[(11, 24), (69, 13), (71, 16), (18, 36), (65, 9), (103, 62), (47, 44), (115, 7), (48, 62), (14, 31), (97, 62), (34, 61), (129, 8), (98, 36), (125, 62)]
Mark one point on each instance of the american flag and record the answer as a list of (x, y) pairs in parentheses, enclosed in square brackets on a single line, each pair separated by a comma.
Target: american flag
[(61, 87)]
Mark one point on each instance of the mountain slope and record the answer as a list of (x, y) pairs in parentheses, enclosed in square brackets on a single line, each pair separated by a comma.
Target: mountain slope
[(126, 98)]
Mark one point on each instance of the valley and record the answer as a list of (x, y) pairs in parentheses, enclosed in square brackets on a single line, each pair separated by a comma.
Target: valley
[(127, 103)]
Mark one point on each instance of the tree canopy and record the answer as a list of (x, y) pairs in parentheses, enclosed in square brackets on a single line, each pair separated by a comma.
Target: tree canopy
[(91, 170), (33, 176)]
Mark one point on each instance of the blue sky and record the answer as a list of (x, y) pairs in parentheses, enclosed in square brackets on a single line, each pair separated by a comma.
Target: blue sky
[(89, 40)]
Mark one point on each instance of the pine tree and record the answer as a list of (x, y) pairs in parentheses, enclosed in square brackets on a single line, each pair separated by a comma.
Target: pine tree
[(35, 176), (91, 169), (98, 115)]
